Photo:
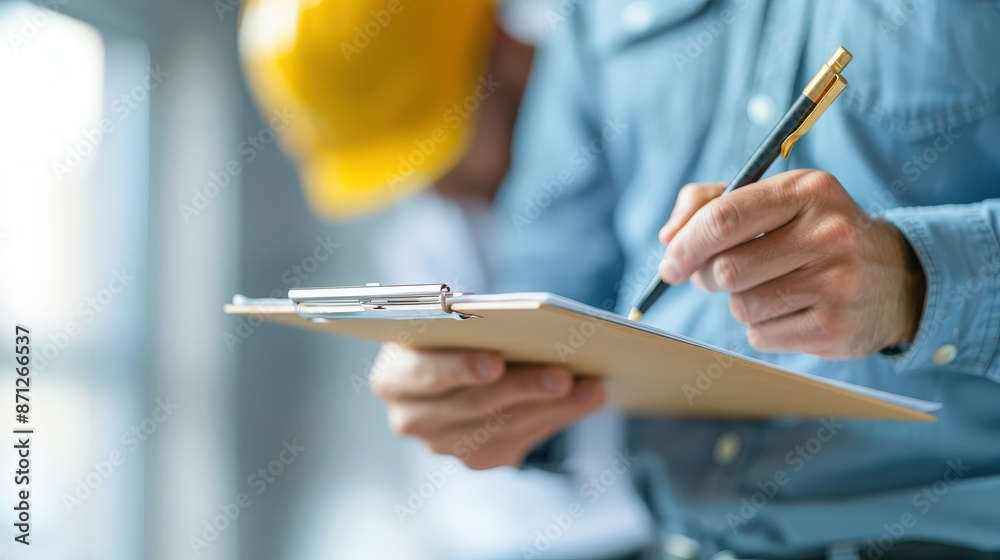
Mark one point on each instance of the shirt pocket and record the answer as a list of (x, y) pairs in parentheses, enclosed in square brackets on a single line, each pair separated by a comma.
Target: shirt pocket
[(920, 66)]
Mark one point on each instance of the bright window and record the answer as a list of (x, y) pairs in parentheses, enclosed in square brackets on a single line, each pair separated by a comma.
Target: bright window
[(73, 238)]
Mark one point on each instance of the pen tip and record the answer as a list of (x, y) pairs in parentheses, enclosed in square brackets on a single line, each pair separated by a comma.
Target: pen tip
[(634, 315)]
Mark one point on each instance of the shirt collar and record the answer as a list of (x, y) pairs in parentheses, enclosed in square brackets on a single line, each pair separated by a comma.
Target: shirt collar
[(619, 22)]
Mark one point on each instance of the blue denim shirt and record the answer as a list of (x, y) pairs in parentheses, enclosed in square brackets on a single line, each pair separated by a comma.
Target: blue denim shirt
[(630, 100)]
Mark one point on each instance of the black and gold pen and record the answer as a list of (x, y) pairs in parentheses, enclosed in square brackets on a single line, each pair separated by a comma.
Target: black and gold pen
[(818, 94)]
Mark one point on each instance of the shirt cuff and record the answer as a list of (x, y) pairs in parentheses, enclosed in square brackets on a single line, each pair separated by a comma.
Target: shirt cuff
[(960, 255)]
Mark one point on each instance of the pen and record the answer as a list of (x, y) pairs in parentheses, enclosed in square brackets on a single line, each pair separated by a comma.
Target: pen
[(818, 94)]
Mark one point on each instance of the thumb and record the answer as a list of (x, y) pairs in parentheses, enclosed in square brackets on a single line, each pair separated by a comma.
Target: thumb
[(691, 197)]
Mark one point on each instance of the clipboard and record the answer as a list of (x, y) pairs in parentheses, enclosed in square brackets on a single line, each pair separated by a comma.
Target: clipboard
[(647, 371)]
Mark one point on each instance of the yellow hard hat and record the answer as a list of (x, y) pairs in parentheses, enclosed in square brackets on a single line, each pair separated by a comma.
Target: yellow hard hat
[(380, 95)]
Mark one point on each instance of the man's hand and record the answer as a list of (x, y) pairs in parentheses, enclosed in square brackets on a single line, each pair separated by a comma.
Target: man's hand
[(477, 407), (825, 279)]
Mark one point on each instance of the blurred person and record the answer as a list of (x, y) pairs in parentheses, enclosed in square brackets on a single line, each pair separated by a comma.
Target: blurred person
[(878, 267), (449, 127)]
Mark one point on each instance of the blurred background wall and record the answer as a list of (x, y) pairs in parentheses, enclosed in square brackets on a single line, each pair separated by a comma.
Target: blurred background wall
[(121, 214)]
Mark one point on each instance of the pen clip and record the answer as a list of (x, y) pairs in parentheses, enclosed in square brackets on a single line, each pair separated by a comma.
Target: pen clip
[(823, 89), (837, 86)]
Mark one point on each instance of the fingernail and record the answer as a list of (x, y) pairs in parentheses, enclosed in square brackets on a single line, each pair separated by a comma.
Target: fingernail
[(552, 380), (486, 366), (669, 271)]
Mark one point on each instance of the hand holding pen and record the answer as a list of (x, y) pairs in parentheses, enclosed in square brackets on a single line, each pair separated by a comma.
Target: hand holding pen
[(824, 279)]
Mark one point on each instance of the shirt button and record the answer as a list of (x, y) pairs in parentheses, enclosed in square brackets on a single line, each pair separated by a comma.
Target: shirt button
[(680, 547), (944, 355), (761, 109), (727, 447), (637, 15)]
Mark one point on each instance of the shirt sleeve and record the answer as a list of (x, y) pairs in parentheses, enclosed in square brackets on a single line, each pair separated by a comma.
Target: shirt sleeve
[(960, 253), (556, 207)]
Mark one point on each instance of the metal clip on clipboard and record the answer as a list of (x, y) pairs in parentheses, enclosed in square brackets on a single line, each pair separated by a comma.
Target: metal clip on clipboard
[(376, 301)]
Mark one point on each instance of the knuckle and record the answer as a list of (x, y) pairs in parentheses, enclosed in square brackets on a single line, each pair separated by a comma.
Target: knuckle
[(722, 219), (815, 183), (757, 338), (739, 307), (380, 386), (403, 423), (689, 191), (443, 371), (426, 379), (726, 272), (698, 281), (838, 232), (789, 197), (827, 323)]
